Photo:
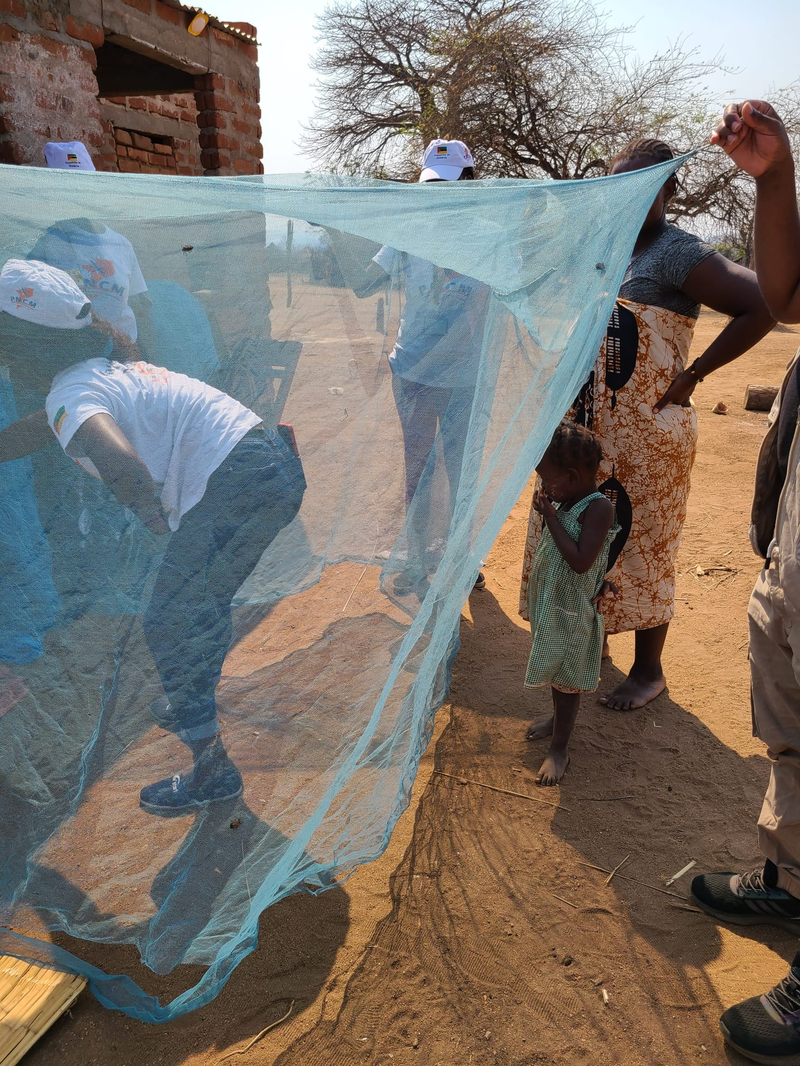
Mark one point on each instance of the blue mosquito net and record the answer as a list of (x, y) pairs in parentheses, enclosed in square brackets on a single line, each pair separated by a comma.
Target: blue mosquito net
[(347, 573)]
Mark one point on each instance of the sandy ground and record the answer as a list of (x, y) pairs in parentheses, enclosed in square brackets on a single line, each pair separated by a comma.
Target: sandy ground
[(484, 935)]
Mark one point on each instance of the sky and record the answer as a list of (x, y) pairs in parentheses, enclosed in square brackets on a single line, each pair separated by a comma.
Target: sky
[(761, 40)]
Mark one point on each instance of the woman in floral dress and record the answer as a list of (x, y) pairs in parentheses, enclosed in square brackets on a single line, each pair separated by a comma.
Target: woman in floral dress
[(638, 402)]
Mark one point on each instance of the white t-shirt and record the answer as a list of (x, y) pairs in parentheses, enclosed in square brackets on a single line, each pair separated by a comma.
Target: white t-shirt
[(107, 264), (442, 323), (181, 428)]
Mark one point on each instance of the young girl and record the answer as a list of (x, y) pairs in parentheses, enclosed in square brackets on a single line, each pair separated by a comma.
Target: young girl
[(187, 460), (566, 585)]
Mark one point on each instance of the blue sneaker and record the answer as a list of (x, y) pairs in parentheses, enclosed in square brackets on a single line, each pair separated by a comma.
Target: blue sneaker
[(751, 898), (181, 792), (766, 1028)]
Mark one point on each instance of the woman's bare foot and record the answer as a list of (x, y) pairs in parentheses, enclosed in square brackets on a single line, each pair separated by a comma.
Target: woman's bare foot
[(552, 769), (606, 649), (633, 692), (540, 730)]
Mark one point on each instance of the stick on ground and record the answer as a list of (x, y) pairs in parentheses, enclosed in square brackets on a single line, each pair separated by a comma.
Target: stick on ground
[(255, 1040), (681, 872), (635, 880), (504, 791), (617, 867), (562, 900)]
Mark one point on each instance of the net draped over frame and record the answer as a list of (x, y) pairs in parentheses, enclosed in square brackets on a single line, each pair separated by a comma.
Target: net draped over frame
[(345, 631)]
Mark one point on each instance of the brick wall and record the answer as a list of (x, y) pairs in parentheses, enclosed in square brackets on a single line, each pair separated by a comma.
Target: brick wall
[(164, 128), (229, 120), (138, 153), (49, 90)]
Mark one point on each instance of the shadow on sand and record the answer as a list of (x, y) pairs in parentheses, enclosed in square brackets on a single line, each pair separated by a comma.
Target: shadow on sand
[(502, 937)]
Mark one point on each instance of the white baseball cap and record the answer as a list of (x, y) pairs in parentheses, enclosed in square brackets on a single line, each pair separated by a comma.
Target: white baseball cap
[(445, 160), (68, 155), (37, 292)]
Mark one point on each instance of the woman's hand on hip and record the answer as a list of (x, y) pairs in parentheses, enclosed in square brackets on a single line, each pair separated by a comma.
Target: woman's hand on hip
[(754, 136), (679, 392)]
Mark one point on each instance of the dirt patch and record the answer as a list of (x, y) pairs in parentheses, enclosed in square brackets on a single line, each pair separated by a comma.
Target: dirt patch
[(483, 935)]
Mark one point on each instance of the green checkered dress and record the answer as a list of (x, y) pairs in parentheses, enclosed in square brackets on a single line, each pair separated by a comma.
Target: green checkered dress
[(567, 628)]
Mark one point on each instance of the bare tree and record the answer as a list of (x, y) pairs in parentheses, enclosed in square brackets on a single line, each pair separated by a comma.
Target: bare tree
[(537, 88)]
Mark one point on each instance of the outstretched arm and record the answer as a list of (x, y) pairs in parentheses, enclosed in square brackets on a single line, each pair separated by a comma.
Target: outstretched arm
[(363, 280), (25, 437), (121, 468), (733, 291), (755, 138), (597, 520)]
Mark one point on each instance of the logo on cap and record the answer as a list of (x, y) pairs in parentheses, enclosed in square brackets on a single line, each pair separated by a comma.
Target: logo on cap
[(71, 157), (441, 149), (58, 421), (23, 298)]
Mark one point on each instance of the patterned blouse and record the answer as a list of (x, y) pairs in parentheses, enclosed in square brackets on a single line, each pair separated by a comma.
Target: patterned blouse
[(656, 275)]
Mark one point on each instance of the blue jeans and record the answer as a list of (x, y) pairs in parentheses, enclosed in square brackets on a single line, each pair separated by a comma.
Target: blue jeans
[(250, 497), (426, 411)]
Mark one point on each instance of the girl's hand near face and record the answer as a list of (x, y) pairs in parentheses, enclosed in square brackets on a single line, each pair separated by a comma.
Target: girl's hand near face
[(754, 136), (543, 506)]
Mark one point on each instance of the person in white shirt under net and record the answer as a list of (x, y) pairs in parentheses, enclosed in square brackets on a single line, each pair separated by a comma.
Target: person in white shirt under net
[(78, 516), (183, 457), (435, 359), (100, 260)]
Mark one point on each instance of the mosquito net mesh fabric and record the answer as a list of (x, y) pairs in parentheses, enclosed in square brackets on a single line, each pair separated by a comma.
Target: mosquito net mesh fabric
[(171, 766)]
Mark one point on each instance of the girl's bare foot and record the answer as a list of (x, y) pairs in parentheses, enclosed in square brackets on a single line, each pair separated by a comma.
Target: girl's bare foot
[(540, 730), (635, 691), (552, 769), (606, 649)]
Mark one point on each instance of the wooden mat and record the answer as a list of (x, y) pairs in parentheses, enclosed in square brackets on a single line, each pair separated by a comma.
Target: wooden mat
[(31, 999)]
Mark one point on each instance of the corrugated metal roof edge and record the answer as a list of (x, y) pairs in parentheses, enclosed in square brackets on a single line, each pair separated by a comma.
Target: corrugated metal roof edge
[(212, 20)]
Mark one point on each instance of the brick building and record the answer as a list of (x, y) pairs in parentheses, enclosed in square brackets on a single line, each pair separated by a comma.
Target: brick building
[(128, 79)]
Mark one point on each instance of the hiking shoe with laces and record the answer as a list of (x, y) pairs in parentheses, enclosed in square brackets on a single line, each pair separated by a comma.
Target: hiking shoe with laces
[(766, 1028), (183, 791), (751, 898)]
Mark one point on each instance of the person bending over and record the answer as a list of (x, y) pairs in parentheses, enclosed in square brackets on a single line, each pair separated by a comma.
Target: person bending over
[(187, 460)]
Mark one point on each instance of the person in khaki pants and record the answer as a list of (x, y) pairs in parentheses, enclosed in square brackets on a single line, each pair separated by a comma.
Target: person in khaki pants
[(766, 1028)]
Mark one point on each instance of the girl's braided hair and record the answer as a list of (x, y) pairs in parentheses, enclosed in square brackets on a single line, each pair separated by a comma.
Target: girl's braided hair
[(574, 446), (644, 148)]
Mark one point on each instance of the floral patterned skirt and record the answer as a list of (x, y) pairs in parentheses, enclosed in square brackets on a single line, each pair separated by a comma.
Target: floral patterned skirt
[(647, 460)]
